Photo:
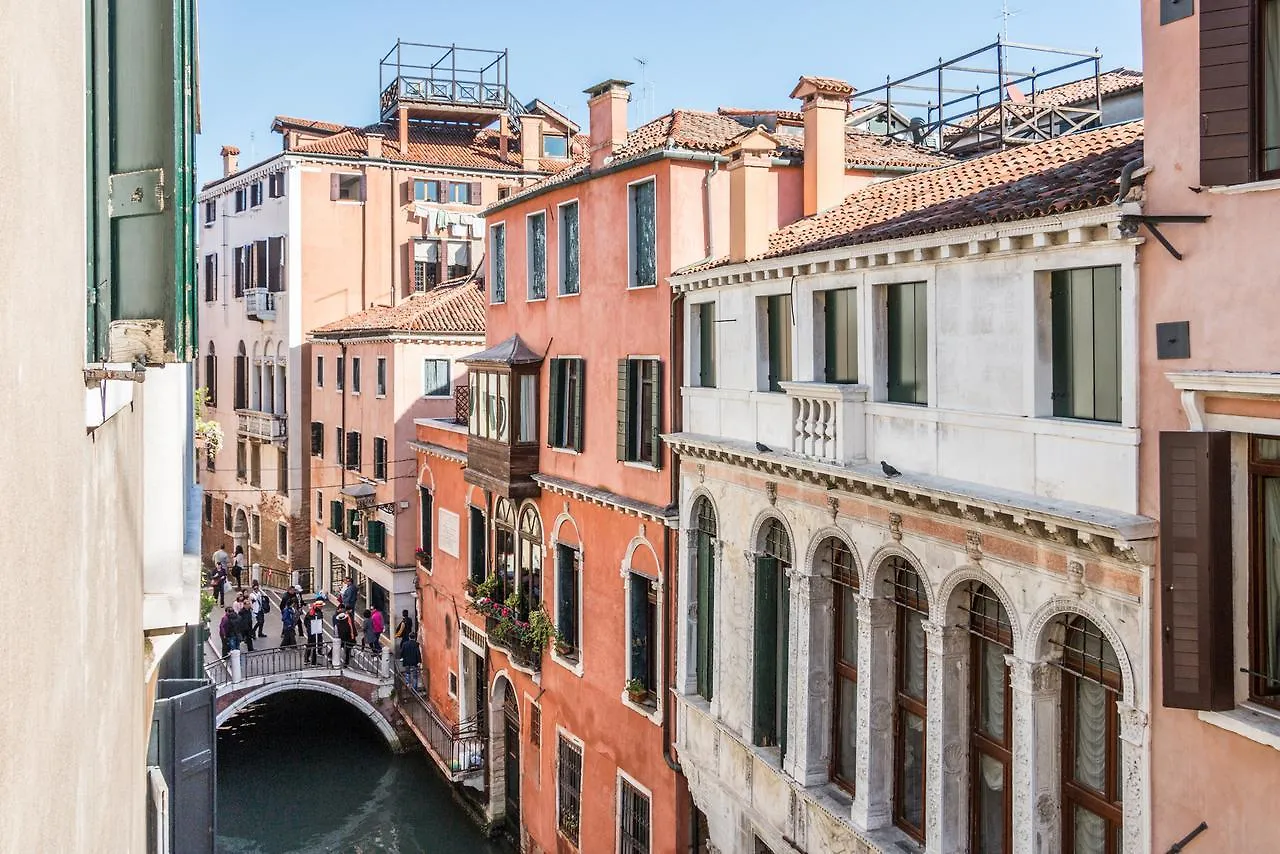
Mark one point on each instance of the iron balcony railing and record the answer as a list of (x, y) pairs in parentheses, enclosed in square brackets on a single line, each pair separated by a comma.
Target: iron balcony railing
[(443, 74), (268, 426), (459, 748), (259, 304)]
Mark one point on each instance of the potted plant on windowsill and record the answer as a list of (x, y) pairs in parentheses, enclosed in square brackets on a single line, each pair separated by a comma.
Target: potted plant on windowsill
[(636, 691), (563, 648)]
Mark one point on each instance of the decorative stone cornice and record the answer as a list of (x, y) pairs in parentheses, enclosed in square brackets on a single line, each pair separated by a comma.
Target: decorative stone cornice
[(668, 516), (1119, 536), (431, 449)]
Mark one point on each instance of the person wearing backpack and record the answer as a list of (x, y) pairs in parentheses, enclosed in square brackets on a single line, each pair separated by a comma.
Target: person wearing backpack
[(224, 630), (244, 622), (288, 620)]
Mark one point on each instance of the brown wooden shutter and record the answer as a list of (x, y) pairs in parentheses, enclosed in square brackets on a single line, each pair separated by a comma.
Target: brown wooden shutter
[(335, 186), (475, 193), (623, 396), (656, 403), (1195, 573), (1227, 103)]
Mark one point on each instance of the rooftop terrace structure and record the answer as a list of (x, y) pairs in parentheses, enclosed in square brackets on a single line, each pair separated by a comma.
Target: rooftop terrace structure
[(445, 83)]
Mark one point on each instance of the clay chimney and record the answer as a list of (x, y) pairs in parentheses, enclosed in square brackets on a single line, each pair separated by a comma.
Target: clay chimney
[(824, 106), (230, 160), (374, 145), (749, 206), (504, 135), (608, 118), (530, 141)]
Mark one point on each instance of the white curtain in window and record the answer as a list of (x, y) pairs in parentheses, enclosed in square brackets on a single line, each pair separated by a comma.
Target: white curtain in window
[(1271, 85), (991, 805), (1091, 734), (459, 254), (426, 250), (528, 408), (994, 682), (1090, 833)]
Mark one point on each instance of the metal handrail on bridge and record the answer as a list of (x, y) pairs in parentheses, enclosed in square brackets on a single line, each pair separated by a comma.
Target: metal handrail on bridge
[(458, 747), (239, 665)]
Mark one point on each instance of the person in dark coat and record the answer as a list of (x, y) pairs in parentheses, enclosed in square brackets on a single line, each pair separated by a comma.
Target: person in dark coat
[(344, 627), (349, 594), (289, 620), (313, 625), (410, 662), (224, 630), (244, 624)]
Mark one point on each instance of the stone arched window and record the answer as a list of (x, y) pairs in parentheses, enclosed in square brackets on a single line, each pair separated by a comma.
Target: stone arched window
[(704, 535), (504, 547), (838, 560), (255, 379), (990, 722), (910, 697), (530, 560), (211, 375), (772, 624), (241, 392), (1092, 812)]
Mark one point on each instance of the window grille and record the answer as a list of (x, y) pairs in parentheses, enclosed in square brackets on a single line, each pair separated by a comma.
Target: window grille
[(633, 821), (569, 786), (775, 542)]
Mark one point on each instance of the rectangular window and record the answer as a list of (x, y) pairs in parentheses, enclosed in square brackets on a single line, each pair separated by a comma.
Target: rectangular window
[(210, 212), (568, 788), (255, 529), (210, 278), (633, 819), (382, 376), (319, 506), (642, 627), (568, 572), (555, 145), (565, 403), (1086, 343), (498, 263), (255, 464), (275, 185), (639, 411), (568, 242), (908, 343), (1264, 555), (458, 255), (239, 269), (536, 255), (258, 272), (779, 320), (242, 461), (1269, 49), (208, 511), (704, 325), (426, 265), (339, 451), (319, 371), (352, 446), (335, 516), (275, 264), (255, 194), (242, 199), (642, 235), (346, 188), (379, 458), (340, 373), (355, 375), (282, 541), (528, 409), (460, 193), (435, 378), (535, 725), (282, 471), (478, 536), (840, 309), (226, 517), (425, 190)]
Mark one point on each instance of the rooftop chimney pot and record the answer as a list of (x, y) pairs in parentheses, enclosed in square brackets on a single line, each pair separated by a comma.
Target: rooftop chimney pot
[(607, 105), (373, 143), (824, 107), (749, 203), (230, 160)]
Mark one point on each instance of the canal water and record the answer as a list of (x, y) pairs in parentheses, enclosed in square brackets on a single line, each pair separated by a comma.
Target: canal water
[(305, 773)]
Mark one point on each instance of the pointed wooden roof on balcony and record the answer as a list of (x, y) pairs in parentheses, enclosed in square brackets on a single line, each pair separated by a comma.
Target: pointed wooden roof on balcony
[(513, 351)]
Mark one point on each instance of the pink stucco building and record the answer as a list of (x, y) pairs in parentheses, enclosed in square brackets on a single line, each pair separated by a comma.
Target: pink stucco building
[(1210, 416)]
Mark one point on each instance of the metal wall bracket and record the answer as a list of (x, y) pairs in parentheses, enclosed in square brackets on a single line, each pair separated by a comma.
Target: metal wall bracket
[(95, 376), (1130, 223), (135, 193)]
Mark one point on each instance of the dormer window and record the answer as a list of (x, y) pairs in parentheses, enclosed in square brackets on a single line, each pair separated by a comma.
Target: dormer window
[(555, 145)]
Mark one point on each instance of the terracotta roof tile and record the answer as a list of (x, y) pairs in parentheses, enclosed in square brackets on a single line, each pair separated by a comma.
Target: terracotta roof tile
[(1068, 173), (830, 84), (455, 307)]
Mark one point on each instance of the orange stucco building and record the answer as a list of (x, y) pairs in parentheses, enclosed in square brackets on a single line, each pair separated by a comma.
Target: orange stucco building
[(564, 487)]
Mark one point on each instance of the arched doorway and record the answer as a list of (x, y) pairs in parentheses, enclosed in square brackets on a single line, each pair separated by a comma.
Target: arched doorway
[(511, 759)]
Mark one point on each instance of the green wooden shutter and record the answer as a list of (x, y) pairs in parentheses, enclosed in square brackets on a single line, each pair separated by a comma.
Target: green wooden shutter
[(478, 534), (377, 538), (765, 723), (639, 594), (706, 613), (335, 516), (784, 653), (624, 397), (655, 428), (579, 413), (554, 427)]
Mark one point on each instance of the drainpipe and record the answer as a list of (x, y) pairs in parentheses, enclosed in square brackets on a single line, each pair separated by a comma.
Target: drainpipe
[(706, 206), (670, 588), (1126, 178)]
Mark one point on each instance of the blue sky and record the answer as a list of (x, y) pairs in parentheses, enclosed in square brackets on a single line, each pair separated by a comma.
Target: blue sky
[(319, 58)]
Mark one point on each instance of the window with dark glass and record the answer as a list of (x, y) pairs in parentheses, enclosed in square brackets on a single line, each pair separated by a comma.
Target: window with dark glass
[(425, 515), (633, 819), (1269, 51), (642, 637), (568, 579), (426, 265), (772, 626), (352, 447), (319, 371), (242, 199), (211, 376), (778, 322), (255, 464), (355, 375), (458, 258), (639, 410), (840, 310), (242, 460), (379, 458), (490, 416), (498, 263), (1092, 812), (210, 212), (704, 520), (1086, 343), (569, 249), (704, 319), (275, 278), (504, 547), (258, 273), (568, 788), (239, 267), (255, 194), (1264, 559), (536, 255), (565, 403), (908, 343), (338, 436), (382, 376), (210, 278), (530, 561), (240, 393), (838, 559), (478, 540), (991, 724), (275, 185), (208, 511), (340, 372), (643, 235), (282, 471), (910, 698)]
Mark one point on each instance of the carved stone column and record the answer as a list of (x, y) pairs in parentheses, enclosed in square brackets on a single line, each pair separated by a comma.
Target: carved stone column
[(873, 800), (809, 696), (1133, 748), (945, 745), (1036, 812), (687, 605)]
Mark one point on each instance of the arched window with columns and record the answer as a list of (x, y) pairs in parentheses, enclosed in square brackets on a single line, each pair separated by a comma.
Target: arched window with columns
[(530, 560), (772, 624), (844, 720), (704, 534), (990, 723), (504, 547), (1092, 809), (910, 697)]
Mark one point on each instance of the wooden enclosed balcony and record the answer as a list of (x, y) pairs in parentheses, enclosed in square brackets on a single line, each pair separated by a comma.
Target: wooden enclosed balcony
[(502, 421)]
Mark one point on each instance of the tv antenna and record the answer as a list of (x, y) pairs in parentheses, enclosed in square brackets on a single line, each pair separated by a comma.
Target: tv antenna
[(646, 91), (1005, 14)]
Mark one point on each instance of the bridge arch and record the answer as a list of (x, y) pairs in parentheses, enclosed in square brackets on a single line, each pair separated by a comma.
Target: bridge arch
[(323, 687)]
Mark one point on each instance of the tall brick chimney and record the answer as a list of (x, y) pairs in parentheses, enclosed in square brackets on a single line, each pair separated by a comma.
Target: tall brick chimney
[(530, 141), (230, 160), (608, 118), (749, 205), (373, 143), (824, 105)]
